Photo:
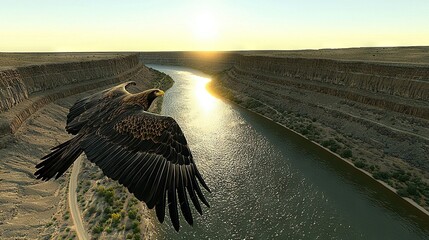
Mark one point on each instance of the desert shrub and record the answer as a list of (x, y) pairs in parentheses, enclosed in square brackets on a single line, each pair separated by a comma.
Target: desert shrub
[(401, 175), (331, 145), (136, 230), (91, 210), (412, 189), (333, 148), (107, 193), (251, 103), (116, 217), (108, 210), (135, 224), (360, 164), (109, 197), (347, 153), (425, 192), (403, 192), (132, 214), (100, 190), (303, 131), (133, 201), (97, 229), (381, 175), (104, 219)]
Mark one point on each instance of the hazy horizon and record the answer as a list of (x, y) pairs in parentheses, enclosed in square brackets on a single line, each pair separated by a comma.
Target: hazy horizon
[(80, 26)]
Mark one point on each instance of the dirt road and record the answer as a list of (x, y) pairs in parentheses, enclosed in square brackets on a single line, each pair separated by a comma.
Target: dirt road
[(81, 232)]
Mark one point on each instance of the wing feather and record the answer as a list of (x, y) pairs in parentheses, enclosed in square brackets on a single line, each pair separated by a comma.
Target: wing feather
[(149, 155), (191, 192), (183, 199), (172, 200), (160, 205), (74, 120)]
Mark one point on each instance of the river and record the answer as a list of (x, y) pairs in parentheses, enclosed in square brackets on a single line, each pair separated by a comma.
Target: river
[(268, 183)]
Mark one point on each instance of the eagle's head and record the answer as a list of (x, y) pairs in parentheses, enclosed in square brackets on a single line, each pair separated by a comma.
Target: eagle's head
[(152, 94), (145, 98)]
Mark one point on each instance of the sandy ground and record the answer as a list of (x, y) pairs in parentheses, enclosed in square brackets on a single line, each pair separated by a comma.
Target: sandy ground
[(28, 205), (415, 55), (12, 60)]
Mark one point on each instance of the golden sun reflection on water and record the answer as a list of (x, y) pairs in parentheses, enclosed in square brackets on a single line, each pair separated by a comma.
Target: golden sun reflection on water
[(206, 101)]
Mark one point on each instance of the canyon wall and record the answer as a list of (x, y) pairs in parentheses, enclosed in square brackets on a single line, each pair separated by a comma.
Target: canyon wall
[(399, 87), (24, 90), (374, 114), (17, 84), (389, 99)]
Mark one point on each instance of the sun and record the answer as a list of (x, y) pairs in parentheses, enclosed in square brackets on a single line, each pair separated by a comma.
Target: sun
[(205, 26)]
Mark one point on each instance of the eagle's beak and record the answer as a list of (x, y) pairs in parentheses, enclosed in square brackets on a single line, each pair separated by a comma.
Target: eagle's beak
[(160, 93)]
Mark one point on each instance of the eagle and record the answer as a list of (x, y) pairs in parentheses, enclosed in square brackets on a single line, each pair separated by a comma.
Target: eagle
[(145, 152)]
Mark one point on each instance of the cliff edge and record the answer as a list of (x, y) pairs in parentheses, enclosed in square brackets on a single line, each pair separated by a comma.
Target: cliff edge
[(372, 113)]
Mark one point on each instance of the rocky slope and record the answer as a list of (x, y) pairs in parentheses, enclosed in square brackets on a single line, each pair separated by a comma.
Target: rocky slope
[(45, 83), (33, 121), (17, 84), (374, 114)]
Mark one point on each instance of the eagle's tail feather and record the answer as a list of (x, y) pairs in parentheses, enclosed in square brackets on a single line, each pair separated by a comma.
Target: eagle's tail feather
[(59, 160)]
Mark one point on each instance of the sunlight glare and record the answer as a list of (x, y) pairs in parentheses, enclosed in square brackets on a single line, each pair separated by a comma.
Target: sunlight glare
[(205, 27), (204, 98)]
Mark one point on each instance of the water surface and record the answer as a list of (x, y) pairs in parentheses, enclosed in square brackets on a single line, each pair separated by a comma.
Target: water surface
[(268, 183)]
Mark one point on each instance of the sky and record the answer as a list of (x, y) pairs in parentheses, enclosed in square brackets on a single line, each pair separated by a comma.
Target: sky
[(146, 25)]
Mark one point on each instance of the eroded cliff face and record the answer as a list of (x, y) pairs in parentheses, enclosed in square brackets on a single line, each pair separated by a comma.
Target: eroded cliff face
[(374, 114), (401, 88), (363, 93), (12, 89), (27, 89), (17, 84)]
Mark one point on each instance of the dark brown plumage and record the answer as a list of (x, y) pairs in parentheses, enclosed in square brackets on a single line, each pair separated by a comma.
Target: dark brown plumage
[(145, 152)]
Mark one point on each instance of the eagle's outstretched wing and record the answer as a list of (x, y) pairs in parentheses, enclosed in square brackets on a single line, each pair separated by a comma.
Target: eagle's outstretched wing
[(145, 152), (149, 155), (76, 118)]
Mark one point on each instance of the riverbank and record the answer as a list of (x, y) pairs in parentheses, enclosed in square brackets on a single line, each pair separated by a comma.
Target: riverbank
[(33, 121), (376, 140), (270, 183), (224, 96), (371, 112)]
